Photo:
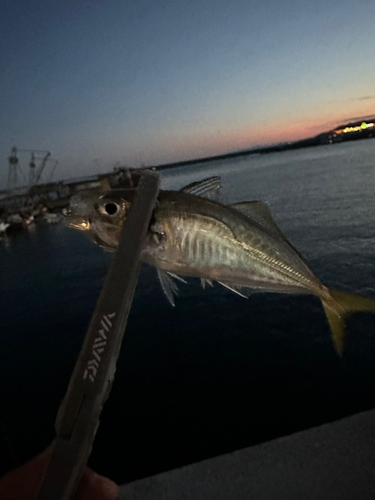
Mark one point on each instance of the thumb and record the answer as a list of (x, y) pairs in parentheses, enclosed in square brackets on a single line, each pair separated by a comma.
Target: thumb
[(95, 487)]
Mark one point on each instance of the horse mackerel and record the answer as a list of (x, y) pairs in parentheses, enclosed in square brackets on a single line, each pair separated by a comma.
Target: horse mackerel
[(239, 245)]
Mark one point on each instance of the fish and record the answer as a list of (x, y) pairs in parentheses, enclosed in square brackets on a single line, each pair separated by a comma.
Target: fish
[(239, 246)]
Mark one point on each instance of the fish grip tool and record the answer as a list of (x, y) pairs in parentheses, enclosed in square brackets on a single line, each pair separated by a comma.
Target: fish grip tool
[(91, 381)]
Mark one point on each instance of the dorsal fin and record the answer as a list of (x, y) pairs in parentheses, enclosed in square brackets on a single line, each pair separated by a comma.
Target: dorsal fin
[(261, 214), (208, 188)]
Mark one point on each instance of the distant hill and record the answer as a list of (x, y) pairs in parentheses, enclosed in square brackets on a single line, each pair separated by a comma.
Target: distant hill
[(350, 131)]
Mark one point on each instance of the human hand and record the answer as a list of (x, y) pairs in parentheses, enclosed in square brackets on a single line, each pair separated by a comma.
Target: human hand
[(24, 482)]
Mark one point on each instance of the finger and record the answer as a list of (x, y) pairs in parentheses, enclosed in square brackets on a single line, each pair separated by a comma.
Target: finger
[(95, 487), (24, 482)]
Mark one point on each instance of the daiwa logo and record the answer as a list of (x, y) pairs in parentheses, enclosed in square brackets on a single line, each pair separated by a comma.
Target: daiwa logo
[(98, 347)]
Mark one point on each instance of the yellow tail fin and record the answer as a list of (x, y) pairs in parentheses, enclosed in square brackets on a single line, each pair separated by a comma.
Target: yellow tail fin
[(339, 310)]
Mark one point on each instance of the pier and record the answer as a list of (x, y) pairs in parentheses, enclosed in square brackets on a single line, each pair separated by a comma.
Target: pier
[(26, 197)]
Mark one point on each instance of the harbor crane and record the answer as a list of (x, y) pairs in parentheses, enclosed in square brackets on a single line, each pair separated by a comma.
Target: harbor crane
[(35, 172), (19, 188)]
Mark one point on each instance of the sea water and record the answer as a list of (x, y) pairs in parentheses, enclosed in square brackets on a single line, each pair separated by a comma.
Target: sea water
[(217, 372)]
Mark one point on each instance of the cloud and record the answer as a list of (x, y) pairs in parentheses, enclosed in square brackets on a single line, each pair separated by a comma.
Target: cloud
[(352, 99), (359, 118), (366, 97)]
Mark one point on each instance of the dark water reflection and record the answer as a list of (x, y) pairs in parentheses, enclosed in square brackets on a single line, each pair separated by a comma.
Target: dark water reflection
[(216, 372)]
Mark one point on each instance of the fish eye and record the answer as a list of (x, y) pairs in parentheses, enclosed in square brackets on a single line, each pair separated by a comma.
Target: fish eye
[(67, 212), (111, 208)]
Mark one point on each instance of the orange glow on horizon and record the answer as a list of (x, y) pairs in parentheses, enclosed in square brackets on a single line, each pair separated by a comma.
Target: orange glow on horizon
[(203, 143), (278, 131)]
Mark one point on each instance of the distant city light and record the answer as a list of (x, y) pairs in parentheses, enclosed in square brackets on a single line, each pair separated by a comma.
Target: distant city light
[(356, 128)]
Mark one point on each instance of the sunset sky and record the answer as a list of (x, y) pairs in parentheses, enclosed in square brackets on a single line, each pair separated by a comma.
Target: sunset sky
[(149, 81)]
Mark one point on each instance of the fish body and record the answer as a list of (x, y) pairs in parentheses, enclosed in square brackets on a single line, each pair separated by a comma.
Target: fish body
[(239, 245), (194, 236)]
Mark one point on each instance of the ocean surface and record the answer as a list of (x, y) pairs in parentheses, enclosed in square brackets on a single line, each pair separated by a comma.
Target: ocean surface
[(217, 372)]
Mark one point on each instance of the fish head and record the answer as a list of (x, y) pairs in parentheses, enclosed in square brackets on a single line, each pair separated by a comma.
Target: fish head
[(100, 216)]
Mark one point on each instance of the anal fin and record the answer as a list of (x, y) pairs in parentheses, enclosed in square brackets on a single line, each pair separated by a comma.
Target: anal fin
[(239, 290), (204, 281)]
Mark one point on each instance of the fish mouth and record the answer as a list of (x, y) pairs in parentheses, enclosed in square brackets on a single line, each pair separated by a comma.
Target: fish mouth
[(77, 223), (87, 227)]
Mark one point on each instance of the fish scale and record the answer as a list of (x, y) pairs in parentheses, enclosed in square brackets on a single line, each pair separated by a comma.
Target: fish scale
[(198, 247), (206, 242)]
